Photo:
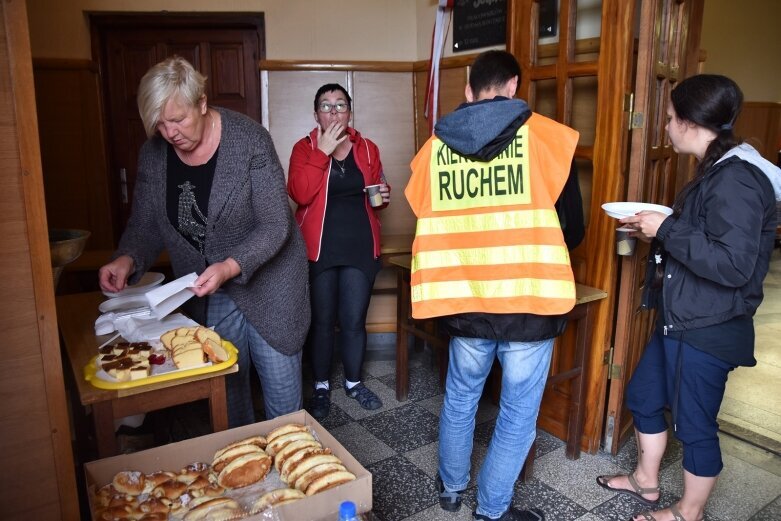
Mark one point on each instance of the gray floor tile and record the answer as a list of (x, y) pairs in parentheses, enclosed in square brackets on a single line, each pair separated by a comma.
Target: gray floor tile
[(435, 513), (537, 494), (336, 417), (771, 512), (426, 458), (742, 489), (404, 428), (354, 409), (486, 410), (423, 383), (576, 478), (400, 489), (366, 448), (380, 368)]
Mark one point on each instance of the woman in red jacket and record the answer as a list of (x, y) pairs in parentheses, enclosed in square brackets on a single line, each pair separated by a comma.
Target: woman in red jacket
[(329, 172)]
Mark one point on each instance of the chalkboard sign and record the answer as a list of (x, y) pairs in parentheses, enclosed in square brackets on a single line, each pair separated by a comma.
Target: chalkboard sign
[(478, 23)]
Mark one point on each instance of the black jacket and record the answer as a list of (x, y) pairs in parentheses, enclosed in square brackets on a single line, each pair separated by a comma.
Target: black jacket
[(717, 250)]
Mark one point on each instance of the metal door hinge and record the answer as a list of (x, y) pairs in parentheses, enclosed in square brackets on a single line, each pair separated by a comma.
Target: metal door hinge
[(636, 119), (613, 370)]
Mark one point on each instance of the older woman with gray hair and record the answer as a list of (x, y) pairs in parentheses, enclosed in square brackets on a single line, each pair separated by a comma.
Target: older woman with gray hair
[(211, 191)]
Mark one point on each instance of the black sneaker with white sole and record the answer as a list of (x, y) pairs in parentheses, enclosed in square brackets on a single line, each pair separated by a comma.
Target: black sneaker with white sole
[(320, 404)]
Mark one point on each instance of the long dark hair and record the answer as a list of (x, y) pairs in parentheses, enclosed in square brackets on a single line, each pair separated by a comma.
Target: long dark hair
[(710, 101)]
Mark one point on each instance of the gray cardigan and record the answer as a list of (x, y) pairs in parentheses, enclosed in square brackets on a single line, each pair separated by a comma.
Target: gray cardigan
[(249, 219)]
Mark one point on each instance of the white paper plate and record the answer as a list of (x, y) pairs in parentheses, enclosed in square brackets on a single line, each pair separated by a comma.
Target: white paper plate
[(149, 280), (125, 303), (627, 209)]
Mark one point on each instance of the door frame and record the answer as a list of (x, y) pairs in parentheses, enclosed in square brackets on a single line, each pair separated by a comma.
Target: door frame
[(102, 22)]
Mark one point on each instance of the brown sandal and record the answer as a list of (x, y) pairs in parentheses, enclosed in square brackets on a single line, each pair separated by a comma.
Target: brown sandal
[(637, 493), (647, 516)]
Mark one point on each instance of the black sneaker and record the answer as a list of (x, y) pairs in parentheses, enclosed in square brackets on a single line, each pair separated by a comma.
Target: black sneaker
[(365, 396), (320, 404), (450, 501), (513, 514)]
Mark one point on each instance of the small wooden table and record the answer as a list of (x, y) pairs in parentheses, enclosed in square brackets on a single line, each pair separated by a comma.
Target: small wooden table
[(427, 330), (76, 316)]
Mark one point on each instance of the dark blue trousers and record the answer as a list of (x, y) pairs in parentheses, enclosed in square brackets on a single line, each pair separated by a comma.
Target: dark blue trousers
[(691, 382)]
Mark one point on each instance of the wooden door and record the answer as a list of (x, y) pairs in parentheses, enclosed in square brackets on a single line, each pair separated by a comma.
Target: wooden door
[(668, 41), (224, 48)]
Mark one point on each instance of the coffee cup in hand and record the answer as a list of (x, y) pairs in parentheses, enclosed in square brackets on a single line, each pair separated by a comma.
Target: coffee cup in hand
[(625, 243), (374, 195)]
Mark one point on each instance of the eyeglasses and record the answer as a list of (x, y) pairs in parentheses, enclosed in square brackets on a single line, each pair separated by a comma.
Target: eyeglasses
[(328, 107)]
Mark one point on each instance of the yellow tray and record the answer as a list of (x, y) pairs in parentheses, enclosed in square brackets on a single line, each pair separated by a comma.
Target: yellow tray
[(91, 372)]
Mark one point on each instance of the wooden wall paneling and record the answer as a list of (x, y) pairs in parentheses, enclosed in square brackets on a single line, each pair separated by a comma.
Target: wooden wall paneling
[(36, 442), (383, 114), (759, 124), (609, 160), (70, 122), (561, 81), (291, 111)]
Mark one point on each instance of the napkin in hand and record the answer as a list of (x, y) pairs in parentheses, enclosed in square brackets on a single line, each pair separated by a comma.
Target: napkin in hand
[(166, 298)]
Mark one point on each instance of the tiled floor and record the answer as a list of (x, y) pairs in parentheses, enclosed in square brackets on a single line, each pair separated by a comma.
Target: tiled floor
[(398, 444)]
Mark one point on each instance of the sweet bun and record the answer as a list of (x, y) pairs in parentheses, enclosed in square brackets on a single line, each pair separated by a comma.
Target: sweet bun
[(217, 508), (292, 461), (292, 448), (245, 470), (198, 466), (170, 489), (286, 429), (276, 497), (233, 453), (155, 505), (209, 491), (129, 482), (279, 442), (118, 512), (104, 494), (309, 462), (315, 472), (157, 516), (260, 441), (330, 480)]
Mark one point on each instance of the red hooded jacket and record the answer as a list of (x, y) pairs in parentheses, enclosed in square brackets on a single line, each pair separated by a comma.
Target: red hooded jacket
[(307, 184)]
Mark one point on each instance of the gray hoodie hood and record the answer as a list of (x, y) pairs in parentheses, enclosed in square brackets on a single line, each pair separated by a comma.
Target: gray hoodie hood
[(482, 129), (748, 153)]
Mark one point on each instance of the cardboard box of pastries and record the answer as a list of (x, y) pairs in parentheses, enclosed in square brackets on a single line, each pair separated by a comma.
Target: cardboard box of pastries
[(187, 457)]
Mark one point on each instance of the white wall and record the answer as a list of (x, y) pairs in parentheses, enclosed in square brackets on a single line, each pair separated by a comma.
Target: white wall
[(743, 41), (295, 29)]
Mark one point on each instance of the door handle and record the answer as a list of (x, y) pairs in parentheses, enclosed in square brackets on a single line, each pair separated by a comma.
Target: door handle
[(123, 185)]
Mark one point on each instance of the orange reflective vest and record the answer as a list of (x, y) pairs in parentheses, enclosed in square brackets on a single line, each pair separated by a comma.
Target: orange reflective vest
[(488, 238)]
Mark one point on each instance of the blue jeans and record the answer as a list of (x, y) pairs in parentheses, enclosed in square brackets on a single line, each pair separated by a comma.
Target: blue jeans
[(280, 375), (524, 371)]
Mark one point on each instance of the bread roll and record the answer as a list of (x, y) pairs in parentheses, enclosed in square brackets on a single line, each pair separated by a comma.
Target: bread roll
[(330, 480), (157, 516), (245, 470), (156, 478), (315, 472), (307, 463), (286, 429), (170, 489), (294, 459), (208, 509), (276, 497), (129, 482), (259, 441), (155, 505), (231, 454), (292, 448), (279, 442)]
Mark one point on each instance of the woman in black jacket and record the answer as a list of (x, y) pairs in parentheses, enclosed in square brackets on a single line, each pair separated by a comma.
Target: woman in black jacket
[(705, 281)]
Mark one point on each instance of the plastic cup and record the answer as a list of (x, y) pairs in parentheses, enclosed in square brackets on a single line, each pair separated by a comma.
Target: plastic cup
[(374, 195), (625, 244)]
